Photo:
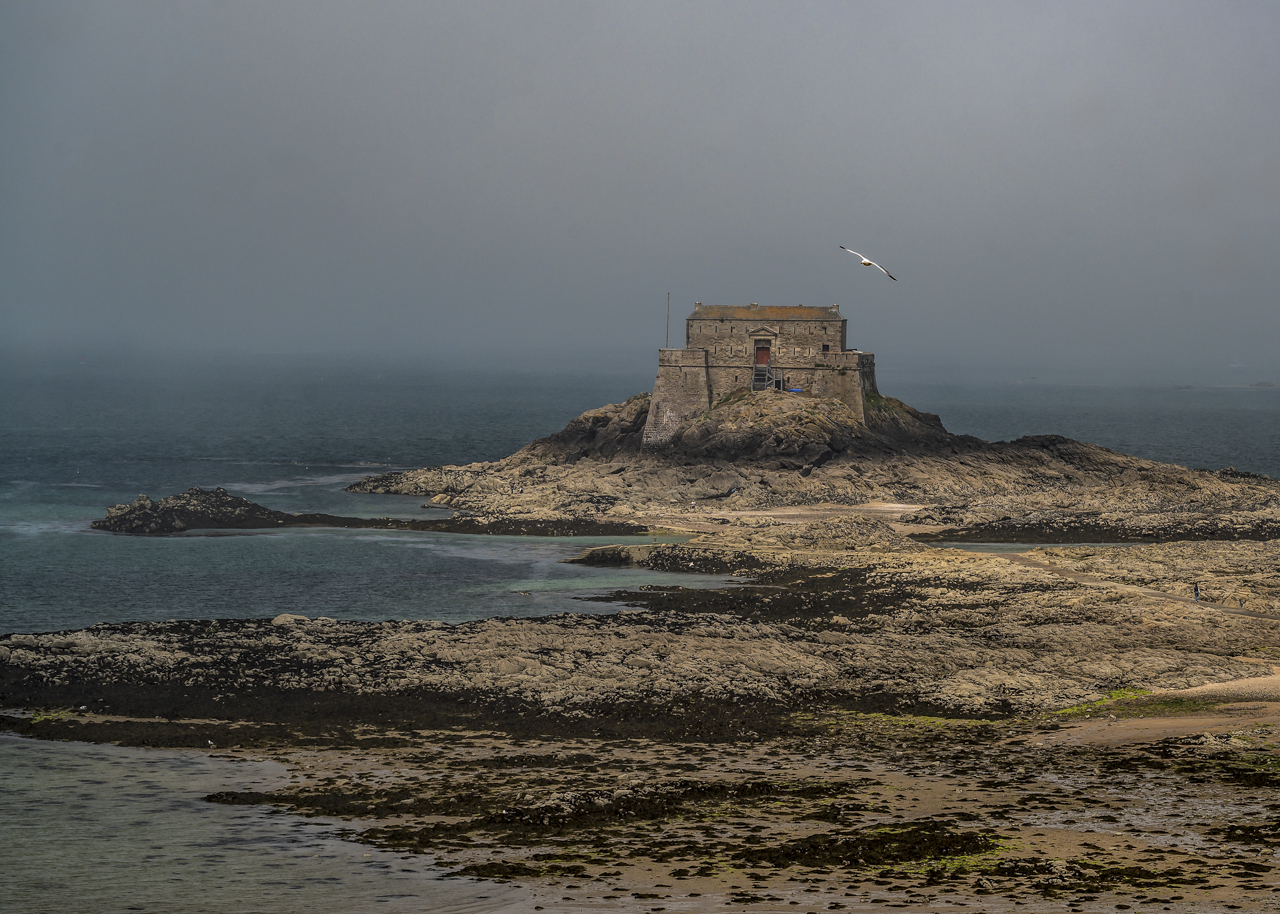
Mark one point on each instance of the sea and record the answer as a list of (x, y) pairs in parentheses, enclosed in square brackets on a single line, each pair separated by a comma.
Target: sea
[(112, 829)]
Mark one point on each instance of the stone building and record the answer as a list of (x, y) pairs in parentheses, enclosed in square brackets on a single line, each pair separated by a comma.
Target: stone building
[(729, 347)]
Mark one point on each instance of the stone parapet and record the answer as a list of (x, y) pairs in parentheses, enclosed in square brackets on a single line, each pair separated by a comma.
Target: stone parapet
[(682, 358), (838, 360)]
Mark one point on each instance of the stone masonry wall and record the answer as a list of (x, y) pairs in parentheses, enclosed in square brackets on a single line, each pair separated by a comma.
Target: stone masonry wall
[(731, 343), (844, 384), (867, 371), (681, 391), (720, 357)]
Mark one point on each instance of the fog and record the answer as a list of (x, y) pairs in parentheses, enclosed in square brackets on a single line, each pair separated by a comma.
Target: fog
[(1084, 191)]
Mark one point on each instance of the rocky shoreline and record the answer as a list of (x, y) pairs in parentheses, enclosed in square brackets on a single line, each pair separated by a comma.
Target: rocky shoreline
[(762, 745), (769, 451), (863, 719), (761, 453), (910, 630)]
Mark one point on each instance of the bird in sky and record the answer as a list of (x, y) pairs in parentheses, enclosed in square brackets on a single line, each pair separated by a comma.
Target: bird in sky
[(868, 263)]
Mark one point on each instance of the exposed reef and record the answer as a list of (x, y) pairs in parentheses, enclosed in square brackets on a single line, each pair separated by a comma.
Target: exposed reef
[(1146, 507), (858, 724), (198, 509), (193, 509), (841, 811), (858, 625), (843, 607)]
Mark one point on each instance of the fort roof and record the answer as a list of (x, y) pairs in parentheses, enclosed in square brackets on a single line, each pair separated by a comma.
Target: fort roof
[(768, 312)]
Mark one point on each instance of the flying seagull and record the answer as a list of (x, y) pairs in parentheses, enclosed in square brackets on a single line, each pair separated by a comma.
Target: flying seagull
[(869, 263)]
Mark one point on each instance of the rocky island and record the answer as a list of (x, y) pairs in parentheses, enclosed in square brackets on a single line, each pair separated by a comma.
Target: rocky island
[(754, 452), (862, 718)]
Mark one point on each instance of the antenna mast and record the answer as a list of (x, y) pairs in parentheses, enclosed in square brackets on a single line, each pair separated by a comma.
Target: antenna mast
[(668, 345)]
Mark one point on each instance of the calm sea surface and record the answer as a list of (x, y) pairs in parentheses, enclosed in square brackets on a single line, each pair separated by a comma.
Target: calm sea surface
[(1210, 427), (290, 440), (290, 434)]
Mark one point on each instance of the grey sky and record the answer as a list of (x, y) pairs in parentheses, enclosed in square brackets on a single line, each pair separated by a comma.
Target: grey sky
[(1075, 188)]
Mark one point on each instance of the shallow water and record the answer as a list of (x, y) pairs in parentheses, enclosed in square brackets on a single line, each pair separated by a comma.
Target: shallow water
[(62, 578), (78, 442), (110, 829)]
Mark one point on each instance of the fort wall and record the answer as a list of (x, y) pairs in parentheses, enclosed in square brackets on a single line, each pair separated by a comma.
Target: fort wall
[(867, 371), (728, 342), (681, 391), (806, 352), (843, 384)]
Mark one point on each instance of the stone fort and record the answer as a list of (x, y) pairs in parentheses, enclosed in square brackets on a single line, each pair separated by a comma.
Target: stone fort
[(731, 347)]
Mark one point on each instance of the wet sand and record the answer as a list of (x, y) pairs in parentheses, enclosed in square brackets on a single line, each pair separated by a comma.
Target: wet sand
[(1074, 813)]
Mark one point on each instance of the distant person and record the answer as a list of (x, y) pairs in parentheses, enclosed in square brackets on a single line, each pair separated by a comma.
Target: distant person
[(1196, 590)]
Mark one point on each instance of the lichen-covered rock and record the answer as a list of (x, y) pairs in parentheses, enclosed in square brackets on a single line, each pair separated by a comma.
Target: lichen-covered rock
[(1244, 575)]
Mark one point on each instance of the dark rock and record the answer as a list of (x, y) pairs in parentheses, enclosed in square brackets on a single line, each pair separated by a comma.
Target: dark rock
[(190, 510), (197, 509)]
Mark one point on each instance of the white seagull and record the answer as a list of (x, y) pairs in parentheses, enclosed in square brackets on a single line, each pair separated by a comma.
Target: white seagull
[(869, 263)]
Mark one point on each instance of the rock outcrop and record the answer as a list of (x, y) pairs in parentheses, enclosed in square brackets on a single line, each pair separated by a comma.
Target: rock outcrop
[(1244, 575), (955, 632), (753, 545), (768, 450), (190, 510), (198, 509)]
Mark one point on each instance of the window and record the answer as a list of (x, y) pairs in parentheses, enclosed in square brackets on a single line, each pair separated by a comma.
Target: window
[(826, 347)]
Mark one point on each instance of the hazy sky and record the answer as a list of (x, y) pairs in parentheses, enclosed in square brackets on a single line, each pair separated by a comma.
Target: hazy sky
[(1071, 188)]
